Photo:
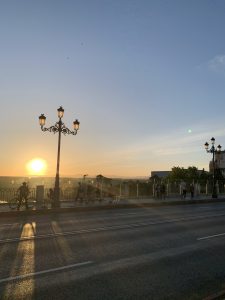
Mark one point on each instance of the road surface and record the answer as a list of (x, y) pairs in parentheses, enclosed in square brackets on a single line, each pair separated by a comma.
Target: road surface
[(173, 252)]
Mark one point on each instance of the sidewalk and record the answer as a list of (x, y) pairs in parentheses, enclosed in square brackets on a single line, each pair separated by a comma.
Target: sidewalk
[(70, 205)]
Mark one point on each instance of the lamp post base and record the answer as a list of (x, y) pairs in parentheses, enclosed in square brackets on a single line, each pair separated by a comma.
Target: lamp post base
[(214, 191), (56, 202)]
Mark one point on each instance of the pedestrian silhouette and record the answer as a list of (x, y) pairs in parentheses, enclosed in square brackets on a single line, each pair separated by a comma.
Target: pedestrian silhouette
[(192, 188), (51, 196), (23, 195), (80, 193), (163, 191), (158, 191), (183, 189)]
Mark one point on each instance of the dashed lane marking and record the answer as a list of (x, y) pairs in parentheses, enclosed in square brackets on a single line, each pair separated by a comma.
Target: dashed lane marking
[(25, 276), (211, 236), (108, 228)]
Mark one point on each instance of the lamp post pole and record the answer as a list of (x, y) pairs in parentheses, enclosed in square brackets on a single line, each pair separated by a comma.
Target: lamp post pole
[(213, 150), (57, 189), (60, 128)]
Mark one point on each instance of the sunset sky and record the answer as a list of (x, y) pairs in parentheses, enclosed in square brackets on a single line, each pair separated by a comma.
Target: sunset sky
[(146, 80)]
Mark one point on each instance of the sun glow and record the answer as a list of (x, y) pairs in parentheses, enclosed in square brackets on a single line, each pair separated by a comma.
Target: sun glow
[(36, 166)]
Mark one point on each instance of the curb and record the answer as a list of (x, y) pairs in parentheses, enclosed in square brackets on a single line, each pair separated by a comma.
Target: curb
[(107, 207)]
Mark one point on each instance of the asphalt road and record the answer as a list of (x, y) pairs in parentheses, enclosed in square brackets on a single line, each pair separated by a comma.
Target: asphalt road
[(175, 252)]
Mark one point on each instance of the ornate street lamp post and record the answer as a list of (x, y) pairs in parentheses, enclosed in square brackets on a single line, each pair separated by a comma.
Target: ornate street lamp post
[(213, 150), (60, 128)]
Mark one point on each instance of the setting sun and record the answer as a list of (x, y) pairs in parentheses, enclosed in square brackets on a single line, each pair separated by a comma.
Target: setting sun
[(36, 166)]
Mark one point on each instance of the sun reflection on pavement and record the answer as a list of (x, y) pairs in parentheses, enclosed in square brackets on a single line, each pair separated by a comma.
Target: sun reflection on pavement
[(23, 263)]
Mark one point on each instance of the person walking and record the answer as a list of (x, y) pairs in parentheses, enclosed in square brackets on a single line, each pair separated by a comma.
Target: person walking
[(163, 191), (80, 193), (183, 187), (158, 191), (192, 188), (51, 196), (23, 195)]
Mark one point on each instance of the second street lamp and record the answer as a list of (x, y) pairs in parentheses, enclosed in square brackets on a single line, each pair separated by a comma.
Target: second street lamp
[(60, 128), (213, 150)]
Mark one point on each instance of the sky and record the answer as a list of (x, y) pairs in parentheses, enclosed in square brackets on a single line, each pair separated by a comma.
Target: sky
[(145, 78)]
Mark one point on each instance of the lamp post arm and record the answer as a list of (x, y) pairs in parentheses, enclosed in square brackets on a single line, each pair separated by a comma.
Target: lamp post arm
[(55, 128), (59, 127), (66, 130)]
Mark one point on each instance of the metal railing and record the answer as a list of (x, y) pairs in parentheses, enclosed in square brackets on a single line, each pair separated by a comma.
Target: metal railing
[(120, 191)]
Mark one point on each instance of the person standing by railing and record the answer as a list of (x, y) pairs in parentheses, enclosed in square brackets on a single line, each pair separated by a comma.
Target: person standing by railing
[(183, 189), (192, 189), (163, 191), (80, 193), (23, 195), (51, 196)]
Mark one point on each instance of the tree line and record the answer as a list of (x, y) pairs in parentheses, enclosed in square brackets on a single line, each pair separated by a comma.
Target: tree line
[(191, 174)]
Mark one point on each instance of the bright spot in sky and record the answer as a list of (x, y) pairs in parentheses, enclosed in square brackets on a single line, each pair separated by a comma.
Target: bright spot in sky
[(189, 131), (36, 166)]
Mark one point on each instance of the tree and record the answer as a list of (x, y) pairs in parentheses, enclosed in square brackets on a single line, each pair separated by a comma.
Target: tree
[(178, 174), (192, 174), (189, 175), (204, 176)]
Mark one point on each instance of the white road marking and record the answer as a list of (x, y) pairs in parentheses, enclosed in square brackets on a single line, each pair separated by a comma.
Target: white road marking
[(12, 224), (106, 228), (24, 276), (211, 236)]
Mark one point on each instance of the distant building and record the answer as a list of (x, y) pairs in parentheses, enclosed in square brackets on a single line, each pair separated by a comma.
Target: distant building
[(219, 162), (160, 174)]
